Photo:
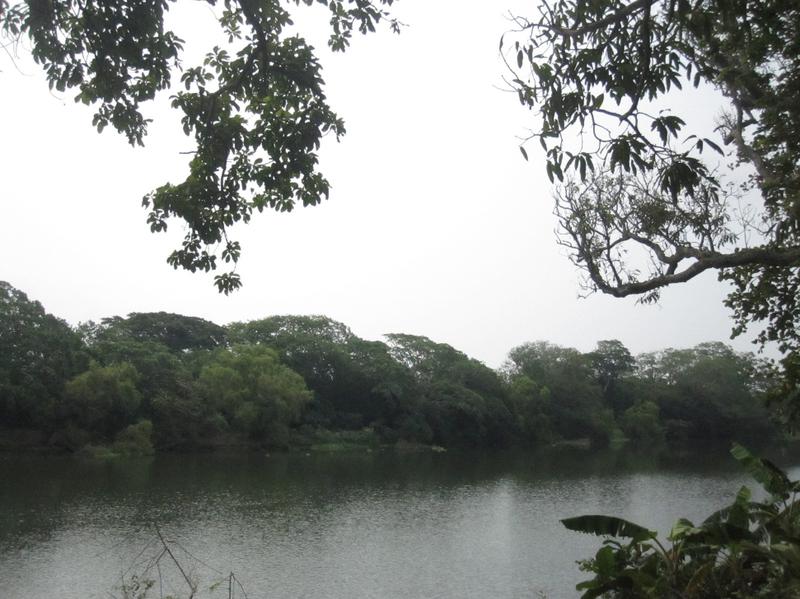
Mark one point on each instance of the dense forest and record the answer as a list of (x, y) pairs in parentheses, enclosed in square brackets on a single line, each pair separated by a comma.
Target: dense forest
[(160, 381)]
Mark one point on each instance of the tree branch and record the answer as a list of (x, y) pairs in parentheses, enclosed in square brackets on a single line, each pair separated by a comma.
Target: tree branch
[(763, 256), (611, 19), (735, 130)]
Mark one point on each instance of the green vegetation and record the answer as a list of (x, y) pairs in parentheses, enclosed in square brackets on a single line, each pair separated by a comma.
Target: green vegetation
[(640, 204), (644, 202), (255, 106), (748, 549), (643, 178), (146, 382), (645, 197)]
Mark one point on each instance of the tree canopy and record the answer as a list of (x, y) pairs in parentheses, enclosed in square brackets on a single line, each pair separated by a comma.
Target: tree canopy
[(159, 381), (39, 354), (255, 107), (644, 199), (176, 331)]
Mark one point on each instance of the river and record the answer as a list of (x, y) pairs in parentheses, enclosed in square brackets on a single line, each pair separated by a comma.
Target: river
[(380, 525)]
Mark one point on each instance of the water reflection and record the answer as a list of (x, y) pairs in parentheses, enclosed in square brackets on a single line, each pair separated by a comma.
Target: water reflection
[(357, 525)]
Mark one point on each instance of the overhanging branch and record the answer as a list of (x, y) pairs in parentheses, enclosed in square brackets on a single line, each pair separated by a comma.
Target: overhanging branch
[(616, 17), (769, 257)]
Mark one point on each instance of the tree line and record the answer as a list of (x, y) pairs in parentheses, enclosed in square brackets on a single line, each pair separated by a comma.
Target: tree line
[(173, 382)]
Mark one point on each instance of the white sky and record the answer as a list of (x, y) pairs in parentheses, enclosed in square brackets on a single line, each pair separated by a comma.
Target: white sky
[(435, 226)]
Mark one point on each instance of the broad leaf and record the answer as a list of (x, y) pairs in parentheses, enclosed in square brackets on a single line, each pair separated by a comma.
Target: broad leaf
[(608, 525), (772, 478)]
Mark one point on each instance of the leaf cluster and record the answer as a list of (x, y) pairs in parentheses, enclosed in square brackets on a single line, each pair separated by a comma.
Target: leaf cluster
[(255, 108), (748, 549)]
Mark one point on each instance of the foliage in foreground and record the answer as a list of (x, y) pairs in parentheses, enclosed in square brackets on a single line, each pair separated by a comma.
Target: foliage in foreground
[(643, 195), (255, 106), (749, 549)]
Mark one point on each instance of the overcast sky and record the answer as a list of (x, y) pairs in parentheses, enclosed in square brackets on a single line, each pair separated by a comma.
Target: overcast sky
[(435, 226)]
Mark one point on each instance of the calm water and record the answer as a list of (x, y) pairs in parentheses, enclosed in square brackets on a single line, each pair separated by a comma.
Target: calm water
[(376, 525)]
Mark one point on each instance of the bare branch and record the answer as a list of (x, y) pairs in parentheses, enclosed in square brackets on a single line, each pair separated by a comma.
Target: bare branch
[(192, 586), (734, 127), (599, 220), (762, 256)]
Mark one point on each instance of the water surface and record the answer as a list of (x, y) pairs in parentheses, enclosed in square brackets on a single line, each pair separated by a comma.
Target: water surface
[(379, 525)]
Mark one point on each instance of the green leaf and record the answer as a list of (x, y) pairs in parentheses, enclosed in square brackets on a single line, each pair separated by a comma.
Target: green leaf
[(608, 526), (605, 562), (743, 496), (772, 478), (682, 528), (714, 146)]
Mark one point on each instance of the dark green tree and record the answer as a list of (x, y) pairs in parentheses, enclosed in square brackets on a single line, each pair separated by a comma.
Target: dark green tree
[(530, 404), (611, 361), (717, 390), (161, 370), (383, 391), (176, 332), (104, 399), (312, 346), (183, 420), (254, 392), (39, 353), (356, 382), (168, 351), (574, 398), (641, 424), (255, 107), (709, 391), (464, 401)]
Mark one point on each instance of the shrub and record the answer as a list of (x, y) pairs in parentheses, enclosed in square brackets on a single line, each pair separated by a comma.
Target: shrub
[(747, 550), (135, 440)]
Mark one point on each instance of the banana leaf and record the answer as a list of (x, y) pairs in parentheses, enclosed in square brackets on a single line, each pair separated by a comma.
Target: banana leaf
[(608, 526)]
